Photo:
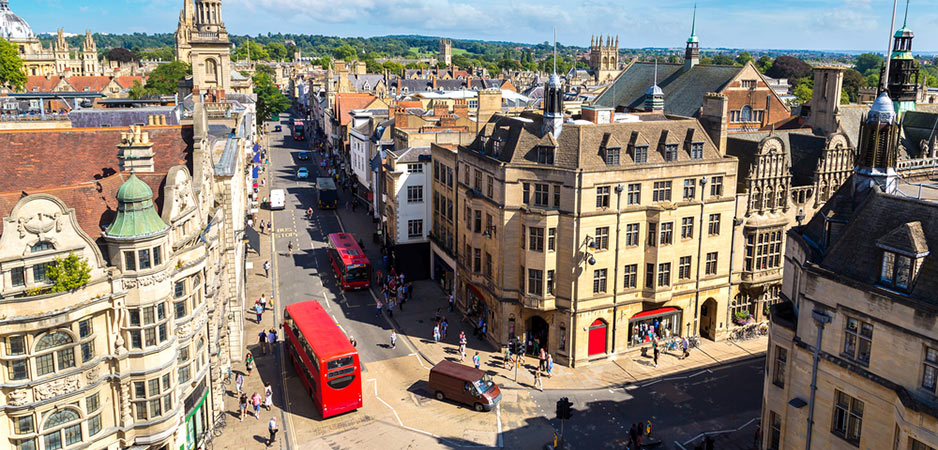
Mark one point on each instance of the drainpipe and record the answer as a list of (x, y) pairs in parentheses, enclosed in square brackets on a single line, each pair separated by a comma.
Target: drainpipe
[(576, 281), (729, 293), (700, 234), (615, 270), (820, 319)]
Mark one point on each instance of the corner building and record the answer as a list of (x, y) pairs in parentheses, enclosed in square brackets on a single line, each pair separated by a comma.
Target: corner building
[(584, 235)]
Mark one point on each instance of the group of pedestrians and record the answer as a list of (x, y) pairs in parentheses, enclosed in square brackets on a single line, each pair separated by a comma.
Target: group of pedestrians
[(267, 341), (441, 327), (394, 291), (261, 305)]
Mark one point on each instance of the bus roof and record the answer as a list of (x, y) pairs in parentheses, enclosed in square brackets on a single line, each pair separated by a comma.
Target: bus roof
[(325, 183), (348, 249), (322, 333)]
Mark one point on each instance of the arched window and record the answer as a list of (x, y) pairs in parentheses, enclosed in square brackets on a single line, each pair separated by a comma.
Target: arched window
[(211, 70), (769, 198), (756, 199), (53, 340), (41, 246), (61, 429), (48, 359), (745, 115)]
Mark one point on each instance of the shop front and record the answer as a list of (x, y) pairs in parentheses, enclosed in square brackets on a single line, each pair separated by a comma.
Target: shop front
[(197, 417), (660, 323), (478, 311), (442, 265)]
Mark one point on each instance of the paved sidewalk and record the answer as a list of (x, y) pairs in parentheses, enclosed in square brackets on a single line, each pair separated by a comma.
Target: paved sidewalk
[(417, 320), (252, 432)]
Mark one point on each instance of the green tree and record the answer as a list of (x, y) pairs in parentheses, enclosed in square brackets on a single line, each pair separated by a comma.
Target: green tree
[(804, 89), (137, 91), (266, 70), (164, 79), (723, 60), (853, 81), (270, 101), (844, 96), (441, 65), (372, 66), (121, 54), (673, 59), (250, 49), (743, 57), (11, 66), (764, 63), (345, 52), (788, 67), (867, 63), (276, 50), (393, 67), (68, 273)]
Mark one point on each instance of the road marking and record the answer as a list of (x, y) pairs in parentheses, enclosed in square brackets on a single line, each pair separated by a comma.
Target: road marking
[(635, 386), (706, 433), (498, 418), (399, 422), (419, 360)]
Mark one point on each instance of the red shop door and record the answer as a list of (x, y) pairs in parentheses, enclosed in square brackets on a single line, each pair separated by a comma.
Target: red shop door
[(597, 338)]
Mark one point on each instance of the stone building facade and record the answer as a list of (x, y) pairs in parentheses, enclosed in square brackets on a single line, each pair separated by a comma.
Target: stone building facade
[(604, 58), (56, 60), (583, 237), (135, 356), (444, 217)]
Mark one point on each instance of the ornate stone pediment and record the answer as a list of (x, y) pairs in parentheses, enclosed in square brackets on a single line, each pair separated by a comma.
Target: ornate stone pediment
[(39, 224), (55, 388), (18, 397)]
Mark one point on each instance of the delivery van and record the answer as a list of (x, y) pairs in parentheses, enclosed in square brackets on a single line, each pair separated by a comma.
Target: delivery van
[(464, 384), (277, 199)]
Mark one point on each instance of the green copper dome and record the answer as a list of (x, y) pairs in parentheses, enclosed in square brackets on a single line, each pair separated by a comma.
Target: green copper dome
[(136, 215)]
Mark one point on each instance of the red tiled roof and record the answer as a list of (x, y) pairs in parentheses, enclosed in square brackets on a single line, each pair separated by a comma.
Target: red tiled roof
[(128, 81), (33, 160), (42, 83), (89, 84), (410, 104), (95, 202), (348, 101)]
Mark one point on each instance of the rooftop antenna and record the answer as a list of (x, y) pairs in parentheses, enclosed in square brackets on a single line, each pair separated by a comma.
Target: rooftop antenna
[(555, 48), (693, 23), (906, 19), (656, 70), (892, 25)]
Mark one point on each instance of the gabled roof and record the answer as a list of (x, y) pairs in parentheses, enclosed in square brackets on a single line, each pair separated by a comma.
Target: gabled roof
[(683, 91), (347, 101), (89, 84), (906, 238), (127, 82), (41, 84)]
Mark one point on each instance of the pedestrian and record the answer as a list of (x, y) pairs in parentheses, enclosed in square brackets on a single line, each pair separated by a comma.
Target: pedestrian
[(290, 247), (256, 403), (242, 406), (654, 344), (378, 277), (378, 307), (262, 225), (641, 433), (272, 340), (633, 437), (391, 304), (443, 326), (507, 365), (537, 380), (684, 345), (550, 365), (351, 340), (262, 341), (239, 381), (401, 299), (272, 429), (259, 310), (462, 338), (439, 315), (462, 352), (436, 333), (267, 269), (452, 303), (249, 362), (268, 396), (542, 360), (393, 338), (484, 328), (410, 289), (476, 360)]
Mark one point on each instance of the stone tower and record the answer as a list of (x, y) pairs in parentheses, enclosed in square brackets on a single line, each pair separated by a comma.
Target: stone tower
[(878, 149), (446, 51), (824, 116), (61, 52), (89, 56), (604, 58), (208, 47), (903, 73), (183, 28)]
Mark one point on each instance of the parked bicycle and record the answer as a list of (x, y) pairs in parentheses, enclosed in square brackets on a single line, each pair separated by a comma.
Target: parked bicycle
[(220, 424)]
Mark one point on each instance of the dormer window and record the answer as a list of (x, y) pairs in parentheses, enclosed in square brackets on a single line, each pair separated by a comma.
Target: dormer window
[(611, 155), (640, 154), (670, 152), (896, 270), (696, 150), (545, 154)]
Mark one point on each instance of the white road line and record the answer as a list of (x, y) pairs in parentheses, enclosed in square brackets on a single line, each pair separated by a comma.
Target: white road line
[(420, 360), (399, 422), (498, 418)]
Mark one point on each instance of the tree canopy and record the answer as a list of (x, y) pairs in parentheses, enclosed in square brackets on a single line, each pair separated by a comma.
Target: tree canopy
[(11, 72), (723, 60), (270, 101), (867, 63), (250, 49), (788, 67), (853, 81), (164, 79), (121, 54)]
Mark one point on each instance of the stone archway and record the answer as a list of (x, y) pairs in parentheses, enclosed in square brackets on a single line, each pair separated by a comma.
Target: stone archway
[(537, 333), (708, 319)]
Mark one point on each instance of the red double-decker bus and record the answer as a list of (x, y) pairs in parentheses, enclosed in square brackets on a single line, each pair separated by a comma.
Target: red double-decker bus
[(349, 262), (298, 130), (324, 359)]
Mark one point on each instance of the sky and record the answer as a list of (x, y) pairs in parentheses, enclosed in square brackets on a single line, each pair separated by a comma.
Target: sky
[(782, 24)]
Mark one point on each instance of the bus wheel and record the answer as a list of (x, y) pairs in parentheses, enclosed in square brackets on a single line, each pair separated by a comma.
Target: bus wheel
[(478, 407), (439, 395)]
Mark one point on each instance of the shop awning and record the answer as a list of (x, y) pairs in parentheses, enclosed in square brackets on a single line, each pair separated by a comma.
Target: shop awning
[(655, 312)]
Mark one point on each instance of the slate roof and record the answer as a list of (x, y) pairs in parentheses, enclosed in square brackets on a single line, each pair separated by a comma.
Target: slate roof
[(683, 91), (411, 154), (44, 159), (120, 117), (359, 81), (855, 252), (580, 146), (917, 126), (908, 237)]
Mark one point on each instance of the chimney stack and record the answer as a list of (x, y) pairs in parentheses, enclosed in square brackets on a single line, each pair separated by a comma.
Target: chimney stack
[(713, 117)]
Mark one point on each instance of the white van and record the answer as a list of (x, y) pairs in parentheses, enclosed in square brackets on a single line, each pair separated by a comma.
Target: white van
[(277, 199)]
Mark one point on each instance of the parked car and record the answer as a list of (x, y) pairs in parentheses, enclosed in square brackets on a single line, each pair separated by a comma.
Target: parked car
[(302, 156), (302, 173), (464, 384)]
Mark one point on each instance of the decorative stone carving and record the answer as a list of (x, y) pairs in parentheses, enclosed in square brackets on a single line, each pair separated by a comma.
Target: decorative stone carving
[(39, 224), (55, 388), (183, 330), (129, 283), (91, 375), (18, 397), (127, 418), (153, 279)]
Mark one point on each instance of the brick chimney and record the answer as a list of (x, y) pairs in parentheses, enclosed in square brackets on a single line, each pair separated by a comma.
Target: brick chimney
[(461, 108), (400, 117), (447, 121), (135, 150)]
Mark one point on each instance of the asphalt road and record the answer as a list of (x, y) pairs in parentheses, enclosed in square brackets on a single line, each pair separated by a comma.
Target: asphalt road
[(307, 273)]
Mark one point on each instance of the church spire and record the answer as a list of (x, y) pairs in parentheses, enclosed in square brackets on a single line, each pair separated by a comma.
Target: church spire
[(692, 50), (553, 101), (902, 76), (654, 96)]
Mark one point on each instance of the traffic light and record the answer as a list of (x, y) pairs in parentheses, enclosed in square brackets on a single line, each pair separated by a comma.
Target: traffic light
[(564, 408)]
